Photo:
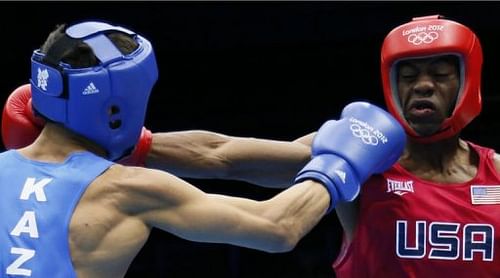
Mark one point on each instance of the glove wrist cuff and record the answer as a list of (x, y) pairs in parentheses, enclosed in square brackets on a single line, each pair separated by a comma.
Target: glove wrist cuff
[(327, 183)]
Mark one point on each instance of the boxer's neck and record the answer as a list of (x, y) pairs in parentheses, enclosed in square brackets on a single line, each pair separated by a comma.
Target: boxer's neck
[(55, 143)]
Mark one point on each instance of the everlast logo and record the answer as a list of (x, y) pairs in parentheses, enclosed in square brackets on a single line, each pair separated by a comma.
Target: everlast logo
[(399, 187)]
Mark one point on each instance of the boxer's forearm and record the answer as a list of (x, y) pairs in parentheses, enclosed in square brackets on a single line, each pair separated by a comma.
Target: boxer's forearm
[(203, 154)]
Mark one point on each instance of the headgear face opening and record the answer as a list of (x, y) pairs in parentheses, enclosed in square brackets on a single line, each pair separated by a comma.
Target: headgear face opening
[(105, 103), (432, 36)]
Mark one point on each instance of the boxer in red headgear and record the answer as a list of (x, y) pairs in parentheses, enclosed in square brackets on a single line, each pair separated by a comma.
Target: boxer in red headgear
[(427, 37), (436, 212)]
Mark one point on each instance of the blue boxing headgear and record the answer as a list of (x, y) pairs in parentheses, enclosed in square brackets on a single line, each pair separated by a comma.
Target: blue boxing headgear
[(105, 103)]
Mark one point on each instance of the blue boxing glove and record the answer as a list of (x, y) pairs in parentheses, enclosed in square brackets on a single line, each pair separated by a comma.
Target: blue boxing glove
[(345, 153)]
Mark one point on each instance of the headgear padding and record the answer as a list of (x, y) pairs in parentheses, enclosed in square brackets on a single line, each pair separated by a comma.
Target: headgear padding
[(431, 36), (105, 103)]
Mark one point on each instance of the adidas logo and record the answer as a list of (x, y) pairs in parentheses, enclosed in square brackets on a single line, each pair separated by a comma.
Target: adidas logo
[(341, 175), (90, 90)]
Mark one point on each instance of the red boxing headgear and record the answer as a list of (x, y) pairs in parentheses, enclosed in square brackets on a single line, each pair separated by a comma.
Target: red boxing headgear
[(430, 36)]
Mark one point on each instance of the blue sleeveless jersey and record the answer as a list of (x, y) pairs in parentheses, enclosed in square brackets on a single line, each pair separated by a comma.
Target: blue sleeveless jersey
[(37, 200)]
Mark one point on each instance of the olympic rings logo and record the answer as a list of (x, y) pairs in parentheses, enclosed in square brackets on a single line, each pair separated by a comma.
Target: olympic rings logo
[(423, 37), (364, 134)]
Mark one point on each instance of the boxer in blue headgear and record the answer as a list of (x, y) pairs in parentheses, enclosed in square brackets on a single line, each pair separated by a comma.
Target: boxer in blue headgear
[(112, 93), (74, 213)]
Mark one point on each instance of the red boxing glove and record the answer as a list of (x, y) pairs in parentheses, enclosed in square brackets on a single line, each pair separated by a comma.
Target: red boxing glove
[(141, 150), (20, 126)]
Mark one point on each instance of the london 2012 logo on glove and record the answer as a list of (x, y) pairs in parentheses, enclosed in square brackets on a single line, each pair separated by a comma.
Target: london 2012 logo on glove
[(367, 134)]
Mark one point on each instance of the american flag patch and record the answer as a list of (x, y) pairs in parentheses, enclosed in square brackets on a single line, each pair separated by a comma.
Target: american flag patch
[(485, 195)]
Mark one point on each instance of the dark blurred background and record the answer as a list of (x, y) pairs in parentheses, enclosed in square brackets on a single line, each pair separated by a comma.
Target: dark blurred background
[(264, 69)]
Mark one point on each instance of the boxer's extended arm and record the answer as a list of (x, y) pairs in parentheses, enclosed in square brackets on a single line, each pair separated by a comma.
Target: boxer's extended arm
[(164, 201), (204, 154), (277, 224)]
